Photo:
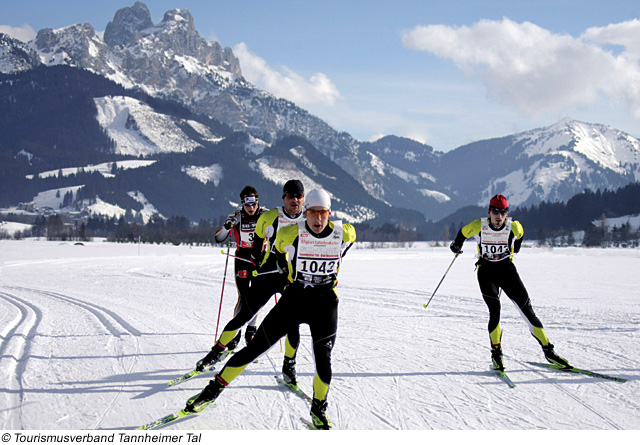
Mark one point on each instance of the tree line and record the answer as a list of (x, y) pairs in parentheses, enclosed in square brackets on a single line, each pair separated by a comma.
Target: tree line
[(549, 223)]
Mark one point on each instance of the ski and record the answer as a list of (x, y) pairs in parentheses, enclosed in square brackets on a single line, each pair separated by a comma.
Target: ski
[(189, 375), (166, 420), (504, 377), (295, 389), (309, 424), (303, 395), (194, 372), (579, 371)]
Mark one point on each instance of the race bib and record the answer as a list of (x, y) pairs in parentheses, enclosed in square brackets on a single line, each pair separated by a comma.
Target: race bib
[(318, 259)]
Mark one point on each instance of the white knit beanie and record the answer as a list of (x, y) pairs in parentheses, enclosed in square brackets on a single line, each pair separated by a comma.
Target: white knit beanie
[(317, 198)]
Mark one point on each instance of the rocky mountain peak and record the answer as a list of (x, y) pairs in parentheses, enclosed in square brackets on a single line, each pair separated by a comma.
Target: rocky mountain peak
[(179, 16), (127, 24), (15, 55)]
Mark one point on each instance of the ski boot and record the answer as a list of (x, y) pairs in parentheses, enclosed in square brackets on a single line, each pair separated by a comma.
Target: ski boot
[(212, 357), (319, 415), (209, 394), (289, 371), (496, 358), (249, 333), (554, 358), (233, 344)]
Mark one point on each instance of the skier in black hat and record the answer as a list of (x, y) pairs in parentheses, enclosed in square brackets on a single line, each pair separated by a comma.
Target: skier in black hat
[(267, 282), (499, 239), (241, 225), (311, 252)]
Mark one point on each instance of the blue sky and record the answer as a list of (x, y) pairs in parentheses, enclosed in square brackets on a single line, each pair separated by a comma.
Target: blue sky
[(445, 73)]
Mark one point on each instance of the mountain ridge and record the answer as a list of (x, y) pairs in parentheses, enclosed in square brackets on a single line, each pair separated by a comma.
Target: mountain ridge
[(171, 61)]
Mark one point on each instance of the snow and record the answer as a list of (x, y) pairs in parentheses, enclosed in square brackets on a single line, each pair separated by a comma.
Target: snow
[(104, 169), (100, 207), (8, 228), (438, 196), (54, 198), (212, 173), (152, 133), (91, 333), (148, 209)]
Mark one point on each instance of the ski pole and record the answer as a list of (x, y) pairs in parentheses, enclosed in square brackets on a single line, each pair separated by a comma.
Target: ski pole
[(234, 256), (224, 279), (255, 273), (276, 297), (442, 279)]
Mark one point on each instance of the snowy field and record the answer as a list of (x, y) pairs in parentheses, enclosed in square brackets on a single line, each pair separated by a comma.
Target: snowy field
[(90, 335)]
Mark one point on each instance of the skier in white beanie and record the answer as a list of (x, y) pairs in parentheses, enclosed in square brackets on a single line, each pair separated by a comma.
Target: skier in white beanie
[(311, 252)]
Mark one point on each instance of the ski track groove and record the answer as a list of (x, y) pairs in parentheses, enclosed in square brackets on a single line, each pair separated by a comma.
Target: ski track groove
[(286, 396), (110, 321), (566, 392), (22, 333)]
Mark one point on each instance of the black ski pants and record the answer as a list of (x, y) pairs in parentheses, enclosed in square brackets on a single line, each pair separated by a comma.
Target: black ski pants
[(504, 275), (317, 308), (262, 288)]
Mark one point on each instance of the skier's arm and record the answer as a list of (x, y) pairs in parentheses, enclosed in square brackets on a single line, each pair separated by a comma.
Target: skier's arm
[(223, 232), (473, 228), (518, 233), (348, 238)]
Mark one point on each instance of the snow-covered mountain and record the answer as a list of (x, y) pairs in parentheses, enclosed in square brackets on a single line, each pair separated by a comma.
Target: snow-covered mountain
[(551, 163), (170, 60)]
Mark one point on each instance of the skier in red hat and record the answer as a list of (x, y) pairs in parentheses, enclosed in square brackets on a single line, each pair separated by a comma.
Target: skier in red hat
[(499, 238)]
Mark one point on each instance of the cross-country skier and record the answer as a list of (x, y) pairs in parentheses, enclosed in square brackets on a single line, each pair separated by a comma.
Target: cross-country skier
[(267, 282), (499, 238), (311, 251), (241, 224)]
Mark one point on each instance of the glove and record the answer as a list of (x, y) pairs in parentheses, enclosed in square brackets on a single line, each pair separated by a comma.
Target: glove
[(230, 222), (255, 260), (455, 248), (281, 263)]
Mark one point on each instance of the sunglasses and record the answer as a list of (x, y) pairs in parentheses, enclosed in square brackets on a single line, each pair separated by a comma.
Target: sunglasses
[(314, 212), (250, 201), (499, 211), (293, 195)]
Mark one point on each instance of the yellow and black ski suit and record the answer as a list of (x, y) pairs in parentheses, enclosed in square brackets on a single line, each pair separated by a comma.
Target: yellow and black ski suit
[(314, 305), (497, 271)]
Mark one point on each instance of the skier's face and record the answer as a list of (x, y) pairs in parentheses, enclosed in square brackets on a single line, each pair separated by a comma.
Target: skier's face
[(317, 218), (498, 216), (250, 204), (293, 203)]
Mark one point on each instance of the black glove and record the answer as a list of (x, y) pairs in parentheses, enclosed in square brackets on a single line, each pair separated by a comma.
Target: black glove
[(255, 260), (455, 248), (230, 222), (281, 263)]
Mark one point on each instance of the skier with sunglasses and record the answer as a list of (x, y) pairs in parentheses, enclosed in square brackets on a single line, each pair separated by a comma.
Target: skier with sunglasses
[(311, 253), (499, 238), (267, 281), (241, 225)]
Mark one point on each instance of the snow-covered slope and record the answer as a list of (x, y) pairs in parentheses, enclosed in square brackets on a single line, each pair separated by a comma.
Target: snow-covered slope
[(138, 130), (171, 60), (92, 333)]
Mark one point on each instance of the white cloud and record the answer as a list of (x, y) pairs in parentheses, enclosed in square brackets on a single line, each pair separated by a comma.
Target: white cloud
[(286, 84), (625, 35), (536, 71), (24, 33)]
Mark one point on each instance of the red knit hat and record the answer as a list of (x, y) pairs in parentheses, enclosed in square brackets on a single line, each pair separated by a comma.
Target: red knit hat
[(499, 202)]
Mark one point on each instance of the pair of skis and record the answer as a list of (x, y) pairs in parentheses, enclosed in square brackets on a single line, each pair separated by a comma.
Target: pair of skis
[(166, 420), (504, 377), (195, 371)]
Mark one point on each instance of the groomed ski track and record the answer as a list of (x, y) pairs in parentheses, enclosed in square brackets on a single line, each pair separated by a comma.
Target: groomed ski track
[(91, 334)]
